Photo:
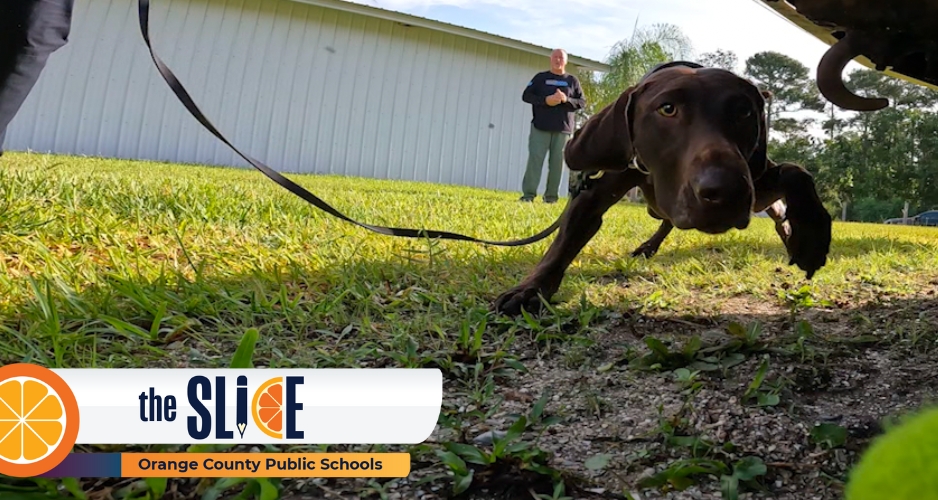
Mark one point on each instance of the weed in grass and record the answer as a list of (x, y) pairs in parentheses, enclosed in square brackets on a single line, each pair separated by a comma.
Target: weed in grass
[(707, 459), (513, 459), (559, 493), (803, 345), (800, 299), (688, 380), (746, 471), (596, 404), (661, 358), (828, 435), (762, 396), (696, 356), (682, 474)]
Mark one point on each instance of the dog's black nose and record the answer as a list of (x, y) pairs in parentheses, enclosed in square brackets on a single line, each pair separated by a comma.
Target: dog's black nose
[(720, 186)]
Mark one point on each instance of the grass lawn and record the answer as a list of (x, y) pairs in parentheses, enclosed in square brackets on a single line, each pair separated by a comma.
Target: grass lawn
[(714, 353)]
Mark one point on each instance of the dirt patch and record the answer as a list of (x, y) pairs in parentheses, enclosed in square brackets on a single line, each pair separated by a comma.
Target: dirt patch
[(846, 375)]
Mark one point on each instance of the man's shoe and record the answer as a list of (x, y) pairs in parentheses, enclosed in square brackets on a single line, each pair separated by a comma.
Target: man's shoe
[(526, 199)]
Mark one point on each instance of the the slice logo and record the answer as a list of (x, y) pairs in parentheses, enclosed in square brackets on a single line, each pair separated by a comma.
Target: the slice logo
[(273, 408), (38, 420)]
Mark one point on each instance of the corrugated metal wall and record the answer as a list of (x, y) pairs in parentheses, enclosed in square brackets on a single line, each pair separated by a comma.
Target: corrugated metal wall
[(302, 88)]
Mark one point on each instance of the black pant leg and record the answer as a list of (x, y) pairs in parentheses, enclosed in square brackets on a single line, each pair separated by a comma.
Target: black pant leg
[(30, 30)]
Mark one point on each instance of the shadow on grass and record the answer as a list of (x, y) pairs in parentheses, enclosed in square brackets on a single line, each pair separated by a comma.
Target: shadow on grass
[(346, 315), (841, 247), (361, 302)]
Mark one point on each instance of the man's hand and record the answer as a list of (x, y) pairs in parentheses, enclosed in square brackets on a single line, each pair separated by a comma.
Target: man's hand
[(557, 98)]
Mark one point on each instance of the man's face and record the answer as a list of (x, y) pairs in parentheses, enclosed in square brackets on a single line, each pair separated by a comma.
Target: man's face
[(558, 60)]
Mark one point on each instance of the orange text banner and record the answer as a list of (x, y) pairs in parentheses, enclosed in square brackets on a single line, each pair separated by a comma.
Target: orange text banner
[(265, 464)]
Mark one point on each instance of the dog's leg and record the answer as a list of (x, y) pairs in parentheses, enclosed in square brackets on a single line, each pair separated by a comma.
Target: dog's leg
[(776, 211), (769, 198), (650, 247), (580, 222), (807, 236)]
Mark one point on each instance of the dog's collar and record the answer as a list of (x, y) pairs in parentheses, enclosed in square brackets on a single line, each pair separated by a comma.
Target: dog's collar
[(635, 164), (638, 166)]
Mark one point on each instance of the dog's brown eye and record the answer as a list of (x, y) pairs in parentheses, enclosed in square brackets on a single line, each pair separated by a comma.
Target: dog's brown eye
[(667, 110)]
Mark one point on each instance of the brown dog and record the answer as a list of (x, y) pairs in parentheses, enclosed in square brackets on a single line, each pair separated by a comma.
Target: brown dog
[(693, 139)]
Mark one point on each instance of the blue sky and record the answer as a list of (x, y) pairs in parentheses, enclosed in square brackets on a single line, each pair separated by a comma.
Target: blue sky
[(589, 28)]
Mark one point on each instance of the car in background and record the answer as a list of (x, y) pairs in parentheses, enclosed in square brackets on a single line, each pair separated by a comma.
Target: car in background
[(902, 221), (927, 218)]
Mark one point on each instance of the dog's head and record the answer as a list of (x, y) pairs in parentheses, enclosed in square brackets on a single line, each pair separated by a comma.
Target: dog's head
[(699, 132)]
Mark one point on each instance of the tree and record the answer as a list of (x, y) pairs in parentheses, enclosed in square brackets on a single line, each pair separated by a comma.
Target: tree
[(835, 171), (725, 59), (792, 88), (630, 59), (831, 124), (874, 163)]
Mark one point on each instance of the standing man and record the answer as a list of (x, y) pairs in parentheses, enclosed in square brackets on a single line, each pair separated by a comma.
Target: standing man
[(30, 31), (554, 96)]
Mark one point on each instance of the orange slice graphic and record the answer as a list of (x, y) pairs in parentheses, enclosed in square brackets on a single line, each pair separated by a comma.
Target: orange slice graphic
[(267, 407), (38, 420)]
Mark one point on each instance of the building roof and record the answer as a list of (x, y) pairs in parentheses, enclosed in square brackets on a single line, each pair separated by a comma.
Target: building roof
[(411, 20)]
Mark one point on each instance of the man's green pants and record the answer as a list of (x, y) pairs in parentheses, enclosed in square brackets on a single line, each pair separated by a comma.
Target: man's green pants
[(540, 143)]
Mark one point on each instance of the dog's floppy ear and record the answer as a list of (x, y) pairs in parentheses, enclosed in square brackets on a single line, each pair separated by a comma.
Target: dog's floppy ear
[(758, 160), (604, 142)]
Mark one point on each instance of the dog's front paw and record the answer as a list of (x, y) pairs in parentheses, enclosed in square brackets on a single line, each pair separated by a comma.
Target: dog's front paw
[(647, 250), (810, 239), (524, 296)]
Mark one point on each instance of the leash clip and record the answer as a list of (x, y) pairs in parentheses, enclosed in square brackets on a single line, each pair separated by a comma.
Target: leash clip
[(636, 166)]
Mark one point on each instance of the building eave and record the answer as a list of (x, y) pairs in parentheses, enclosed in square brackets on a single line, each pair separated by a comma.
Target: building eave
[(410, 20)]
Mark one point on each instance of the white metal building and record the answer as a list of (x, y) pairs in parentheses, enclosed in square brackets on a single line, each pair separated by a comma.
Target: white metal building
[(311, 86)]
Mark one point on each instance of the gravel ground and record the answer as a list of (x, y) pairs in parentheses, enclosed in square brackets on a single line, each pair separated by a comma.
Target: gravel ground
[(866, 363)]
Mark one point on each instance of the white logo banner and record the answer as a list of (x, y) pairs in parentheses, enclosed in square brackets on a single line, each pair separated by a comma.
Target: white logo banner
[(255, 406)]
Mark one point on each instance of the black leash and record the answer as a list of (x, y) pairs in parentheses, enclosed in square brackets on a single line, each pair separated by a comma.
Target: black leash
[(183, 95)]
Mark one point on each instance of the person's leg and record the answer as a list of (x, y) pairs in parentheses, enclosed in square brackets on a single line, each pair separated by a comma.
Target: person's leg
[(555, 166), (538, 145), (30, 30)]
